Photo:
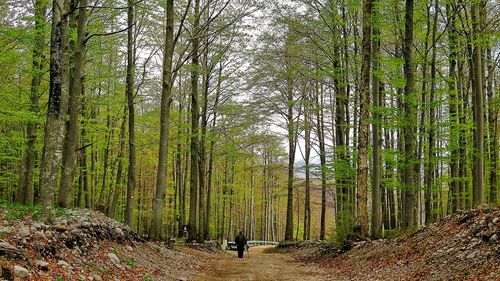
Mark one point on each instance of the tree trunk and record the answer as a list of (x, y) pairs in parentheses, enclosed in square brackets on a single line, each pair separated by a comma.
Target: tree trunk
[(494, 128), (71, 140), (129, 91), (57, 106), (25, 191), (478, 106), (409, 218), (376, 230), (291, 160), (452, 107), (322, 157), (193, 203), (364, 128), (429, 169), (166, 99), (307, 137), (121, 151)]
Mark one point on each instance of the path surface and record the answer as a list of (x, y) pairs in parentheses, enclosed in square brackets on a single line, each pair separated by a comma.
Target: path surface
[(259, 266)]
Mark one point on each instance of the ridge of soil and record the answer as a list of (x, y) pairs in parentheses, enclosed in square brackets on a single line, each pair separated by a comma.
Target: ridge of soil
[(463, 246), (83, 244)]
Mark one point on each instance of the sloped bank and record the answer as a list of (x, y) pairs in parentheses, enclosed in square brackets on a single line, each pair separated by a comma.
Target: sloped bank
[(87, 245), (462, 246)]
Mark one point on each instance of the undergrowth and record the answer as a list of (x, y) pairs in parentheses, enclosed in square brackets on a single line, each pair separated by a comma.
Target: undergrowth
[(14, 211)]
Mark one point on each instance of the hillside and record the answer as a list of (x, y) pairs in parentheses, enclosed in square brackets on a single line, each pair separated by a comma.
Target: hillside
[(461, 246), (86, 245)]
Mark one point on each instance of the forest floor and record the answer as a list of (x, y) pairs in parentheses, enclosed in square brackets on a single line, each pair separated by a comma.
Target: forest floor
[(86, 245), (463, 246), (259, 264)]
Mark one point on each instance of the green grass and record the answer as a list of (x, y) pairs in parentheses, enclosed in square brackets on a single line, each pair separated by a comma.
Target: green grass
[(14, 211)]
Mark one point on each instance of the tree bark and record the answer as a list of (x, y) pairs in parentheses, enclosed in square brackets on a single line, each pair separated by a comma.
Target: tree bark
[(478, 106), (409, 218), (71, 140), (25, 191), (429, 169), (193, 182), (166, 99), (376, 230), (362, 208), (129, 91), (57, 106)]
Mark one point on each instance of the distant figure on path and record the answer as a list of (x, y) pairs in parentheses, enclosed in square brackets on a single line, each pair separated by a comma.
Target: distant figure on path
[(241, 243)]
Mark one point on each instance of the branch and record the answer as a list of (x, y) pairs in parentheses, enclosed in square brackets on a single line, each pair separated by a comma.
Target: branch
[(110, 33)]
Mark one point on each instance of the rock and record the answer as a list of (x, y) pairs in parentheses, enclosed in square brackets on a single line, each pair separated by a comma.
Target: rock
[(20, 271), (48, 234), (97, 277), (24, 232), (42, 265), (10, 249), (493, 238), (472, 255), (119, 232), (62, 263), (129, 248), (60, 228), (6, 229), (114, 258), (181, 279), (495, 220)]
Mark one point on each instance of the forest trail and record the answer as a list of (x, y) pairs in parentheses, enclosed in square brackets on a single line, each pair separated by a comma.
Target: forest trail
[(259, 265)]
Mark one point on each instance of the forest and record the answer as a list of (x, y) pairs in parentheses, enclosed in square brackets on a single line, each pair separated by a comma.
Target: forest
[(286, 119)]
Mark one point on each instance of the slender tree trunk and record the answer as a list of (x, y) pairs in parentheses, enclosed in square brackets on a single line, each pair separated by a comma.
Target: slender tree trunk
[(429, 170), (193, 204), (71, 140), (121, 151), (166, 99), (363, 120), (452, 107), (25, 191), (307, 137), (376, 230), (291, 160), (409, 219), (494, 128), (130, 203), (57, 106), (322, 157), (478, 106)]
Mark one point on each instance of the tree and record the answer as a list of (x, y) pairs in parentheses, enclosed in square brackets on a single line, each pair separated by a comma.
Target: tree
[(478, 106), (363, 120), (57, 105), (409, 215), (193, 180), (76, 84), (377, 89), (25, 191), (166, 99), (129, 92)]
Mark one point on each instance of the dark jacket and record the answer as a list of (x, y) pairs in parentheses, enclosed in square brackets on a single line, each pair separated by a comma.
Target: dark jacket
[(240, 241)]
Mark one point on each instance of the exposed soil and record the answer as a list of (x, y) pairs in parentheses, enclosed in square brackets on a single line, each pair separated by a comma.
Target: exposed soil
[(259, 264)]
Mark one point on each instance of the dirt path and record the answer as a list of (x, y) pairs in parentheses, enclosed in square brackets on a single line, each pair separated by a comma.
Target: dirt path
[(260, 266)]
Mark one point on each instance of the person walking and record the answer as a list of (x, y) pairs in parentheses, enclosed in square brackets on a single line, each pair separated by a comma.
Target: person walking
[(241, 244)]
